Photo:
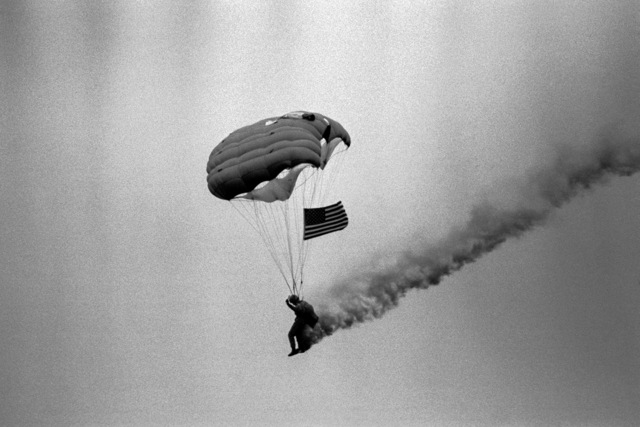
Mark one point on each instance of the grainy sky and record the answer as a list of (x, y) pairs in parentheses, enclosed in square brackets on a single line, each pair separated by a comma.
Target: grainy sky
[(130, 295)]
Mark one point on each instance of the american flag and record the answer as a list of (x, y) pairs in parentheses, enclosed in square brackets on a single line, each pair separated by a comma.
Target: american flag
[(320, 221)]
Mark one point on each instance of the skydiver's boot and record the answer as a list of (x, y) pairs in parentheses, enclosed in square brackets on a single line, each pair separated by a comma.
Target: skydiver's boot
[(294, 351)]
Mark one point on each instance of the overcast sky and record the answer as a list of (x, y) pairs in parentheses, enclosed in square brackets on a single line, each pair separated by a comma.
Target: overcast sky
[(130, 295)]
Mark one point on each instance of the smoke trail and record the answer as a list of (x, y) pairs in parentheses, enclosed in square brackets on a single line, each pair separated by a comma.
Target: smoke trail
[(370, 295)]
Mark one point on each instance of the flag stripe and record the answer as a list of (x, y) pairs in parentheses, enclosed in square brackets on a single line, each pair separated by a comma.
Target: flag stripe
[(334, 222), (320, 221), (328, 228), (323, 232), (310, 234)]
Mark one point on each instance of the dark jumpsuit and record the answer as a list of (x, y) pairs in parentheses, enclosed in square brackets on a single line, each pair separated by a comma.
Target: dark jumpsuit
[(302, 310)]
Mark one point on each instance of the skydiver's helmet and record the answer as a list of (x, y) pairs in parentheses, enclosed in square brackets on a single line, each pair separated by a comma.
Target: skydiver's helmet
[(293, 299)]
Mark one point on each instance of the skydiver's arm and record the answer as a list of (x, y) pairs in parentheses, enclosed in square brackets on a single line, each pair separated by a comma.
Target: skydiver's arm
[(291, 306)]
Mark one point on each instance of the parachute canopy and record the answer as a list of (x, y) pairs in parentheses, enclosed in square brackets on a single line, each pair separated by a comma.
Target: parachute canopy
[(261, 152)]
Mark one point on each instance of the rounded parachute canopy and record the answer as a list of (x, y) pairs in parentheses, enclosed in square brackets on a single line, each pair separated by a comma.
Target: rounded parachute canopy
[(262, 161)]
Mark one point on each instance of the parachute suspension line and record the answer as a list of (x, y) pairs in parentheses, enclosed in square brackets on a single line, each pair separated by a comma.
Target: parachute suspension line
[(260, 225), (305, 244), (280, 212), (298, 219), (278, 235), (284, 210), (299, 224), (243, 215), (285, 213)]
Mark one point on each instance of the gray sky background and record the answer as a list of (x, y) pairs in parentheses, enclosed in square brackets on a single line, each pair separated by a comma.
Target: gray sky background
[(130, 295)]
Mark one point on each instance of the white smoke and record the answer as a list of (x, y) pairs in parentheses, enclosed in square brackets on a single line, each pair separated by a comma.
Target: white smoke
[(369, 295)]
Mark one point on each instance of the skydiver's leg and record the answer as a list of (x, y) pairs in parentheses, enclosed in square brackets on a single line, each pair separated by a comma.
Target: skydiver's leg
[(292, 334)]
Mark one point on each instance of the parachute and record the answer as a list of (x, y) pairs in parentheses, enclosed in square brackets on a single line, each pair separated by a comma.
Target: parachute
[(271, 171)]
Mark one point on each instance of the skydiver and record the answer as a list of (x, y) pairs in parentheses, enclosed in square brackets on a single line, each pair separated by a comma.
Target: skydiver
[(305, 316)]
